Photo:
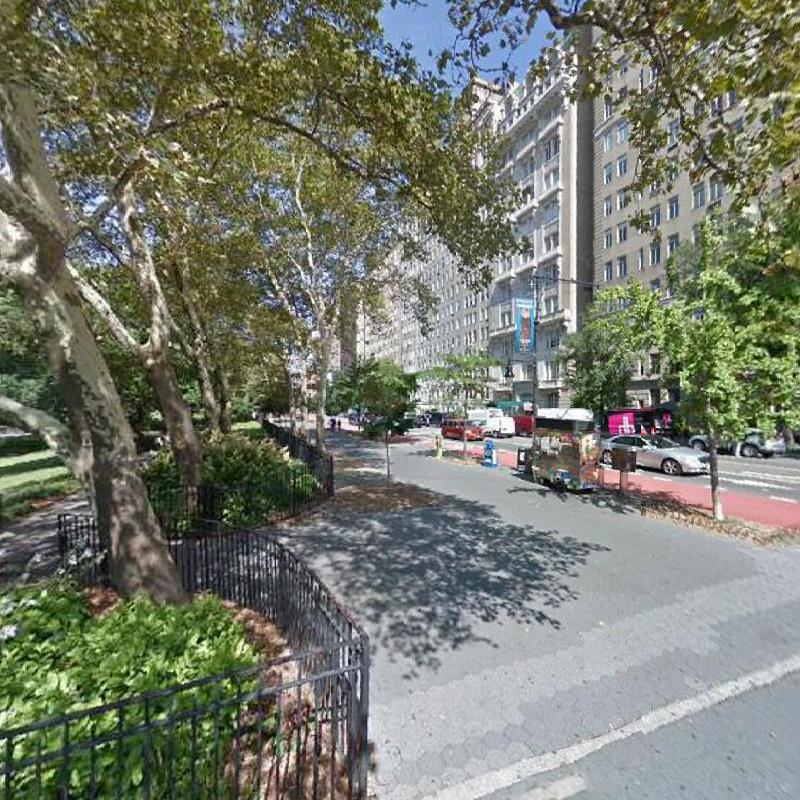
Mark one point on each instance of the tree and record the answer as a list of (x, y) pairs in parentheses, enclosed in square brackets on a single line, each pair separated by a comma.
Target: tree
[(598, 360), (102, 107), (698, 52), (386, 390), (731, 330), (465, 379)]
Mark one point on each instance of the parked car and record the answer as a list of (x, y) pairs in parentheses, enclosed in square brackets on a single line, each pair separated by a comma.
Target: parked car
[(454, 429), (656, 452), (753, 445), (423, 420)]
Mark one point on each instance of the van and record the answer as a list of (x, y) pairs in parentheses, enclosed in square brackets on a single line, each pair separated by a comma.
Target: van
[(454, 429), (493, 421)]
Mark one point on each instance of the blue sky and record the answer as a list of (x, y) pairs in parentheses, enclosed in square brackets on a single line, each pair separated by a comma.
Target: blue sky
[(428, 28)]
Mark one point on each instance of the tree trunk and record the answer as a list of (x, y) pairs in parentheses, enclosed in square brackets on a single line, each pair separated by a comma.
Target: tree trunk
[(323, 362), (713, 463), (388, 462), (223, 398), (178, 420), (464, 435), (33, 233)]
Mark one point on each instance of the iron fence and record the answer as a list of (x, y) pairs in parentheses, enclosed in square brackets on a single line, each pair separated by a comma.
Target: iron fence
[(293, 727), (316, 459)]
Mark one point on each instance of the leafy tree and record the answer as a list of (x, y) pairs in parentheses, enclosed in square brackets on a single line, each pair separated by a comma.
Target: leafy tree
[(731, 330), (598, 360), (385, 390), (464, 379), (698, 51)]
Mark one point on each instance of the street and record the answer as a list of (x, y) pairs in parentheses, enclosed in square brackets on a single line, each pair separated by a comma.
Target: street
[(530, 644), (775, 478)]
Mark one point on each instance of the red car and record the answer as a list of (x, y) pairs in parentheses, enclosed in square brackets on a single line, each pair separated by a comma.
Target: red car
[(454, 429)]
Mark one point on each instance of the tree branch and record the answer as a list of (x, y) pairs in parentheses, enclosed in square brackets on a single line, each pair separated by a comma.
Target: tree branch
[(49, 428)]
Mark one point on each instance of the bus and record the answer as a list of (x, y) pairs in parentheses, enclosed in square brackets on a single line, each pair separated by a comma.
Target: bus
[(565, 448)]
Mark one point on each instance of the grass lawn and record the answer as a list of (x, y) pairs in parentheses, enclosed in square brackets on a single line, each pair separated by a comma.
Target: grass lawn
[(249, 425), (25, 479)]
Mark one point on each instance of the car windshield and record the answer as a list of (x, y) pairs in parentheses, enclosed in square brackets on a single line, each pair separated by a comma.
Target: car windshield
[(661, 442)]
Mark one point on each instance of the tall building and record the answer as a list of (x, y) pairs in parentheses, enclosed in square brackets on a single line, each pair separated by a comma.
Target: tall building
[(549, 153), (621, 250)]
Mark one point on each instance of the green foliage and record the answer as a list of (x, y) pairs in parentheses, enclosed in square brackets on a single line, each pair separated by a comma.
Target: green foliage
[(386, 391), (56, 658), (254, 478), (20, 445), (463, 378), (598, 360)]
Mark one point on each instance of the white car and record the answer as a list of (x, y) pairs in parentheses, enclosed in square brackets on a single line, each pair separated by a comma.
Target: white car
[(657, 452)]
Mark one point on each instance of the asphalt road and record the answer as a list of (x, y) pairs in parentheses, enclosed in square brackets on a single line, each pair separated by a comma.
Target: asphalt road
[(532, 645), (777, 478)]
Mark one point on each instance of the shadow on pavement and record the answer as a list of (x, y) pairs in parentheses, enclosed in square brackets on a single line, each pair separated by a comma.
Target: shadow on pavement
[(428, 577)]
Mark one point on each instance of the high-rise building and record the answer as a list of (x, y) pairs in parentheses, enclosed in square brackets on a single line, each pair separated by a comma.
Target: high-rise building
[(548, 153), (621, 250)]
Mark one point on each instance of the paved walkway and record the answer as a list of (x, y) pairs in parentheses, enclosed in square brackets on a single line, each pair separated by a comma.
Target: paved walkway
[(509, 621), (28, 546)]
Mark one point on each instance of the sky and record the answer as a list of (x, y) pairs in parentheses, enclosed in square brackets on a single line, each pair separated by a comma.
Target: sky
[(428, 28)]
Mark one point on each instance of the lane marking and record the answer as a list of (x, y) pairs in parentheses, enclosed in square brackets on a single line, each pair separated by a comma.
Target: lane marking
[(783, 499), (489, 782), (757, 484), (558, 790)]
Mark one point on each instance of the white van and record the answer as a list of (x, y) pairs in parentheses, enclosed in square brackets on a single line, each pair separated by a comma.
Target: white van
[(493, 421)]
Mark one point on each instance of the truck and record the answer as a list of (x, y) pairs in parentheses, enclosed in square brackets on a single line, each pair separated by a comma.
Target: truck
[(493, 421)]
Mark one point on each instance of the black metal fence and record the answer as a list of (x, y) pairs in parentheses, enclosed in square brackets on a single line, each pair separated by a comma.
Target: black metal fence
[(293, 727), (316, 459)]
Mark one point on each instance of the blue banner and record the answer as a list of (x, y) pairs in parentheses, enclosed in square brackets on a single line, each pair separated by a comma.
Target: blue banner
[(525, 330)]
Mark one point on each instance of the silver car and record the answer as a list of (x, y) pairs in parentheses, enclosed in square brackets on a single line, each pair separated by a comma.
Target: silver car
[(657, 452)]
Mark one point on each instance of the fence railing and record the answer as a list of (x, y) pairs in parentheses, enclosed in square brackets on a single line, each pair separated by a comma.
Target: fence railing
[(317, 460), (293, 727)]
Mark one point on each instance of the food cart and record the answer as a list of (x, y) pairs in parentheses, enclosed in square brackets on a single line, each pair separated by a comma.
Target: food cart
[(565, 448)]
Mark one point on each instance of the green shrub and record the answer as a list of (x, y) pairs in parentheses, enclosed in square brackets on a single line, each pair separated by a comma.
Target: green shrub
[(56, 658), (19, 445), (254, 478)]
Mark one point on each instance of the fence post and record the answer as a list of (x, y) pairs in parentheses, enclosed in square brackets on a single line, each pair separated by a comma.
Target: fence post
[(363, 721)]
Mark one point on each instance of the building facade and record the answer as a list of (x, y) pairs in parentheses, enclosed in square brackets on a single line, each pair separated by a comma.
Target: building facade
[(621, 250), (549, 154)]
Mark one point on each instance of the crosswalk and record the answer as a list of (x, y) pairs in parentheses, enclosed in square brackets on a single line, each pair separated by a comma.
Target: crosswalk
[(787, 483)]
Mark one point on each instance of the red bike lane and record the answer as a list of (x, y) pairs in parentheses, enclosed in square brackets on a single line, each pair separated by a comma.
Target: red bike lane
[(736, 505)]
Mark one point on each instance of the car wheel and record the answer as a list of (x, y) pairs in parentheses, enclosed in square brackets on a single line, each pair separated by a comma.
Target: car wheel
[(699, 444), (749, 450), (669, 466), (606, 457)]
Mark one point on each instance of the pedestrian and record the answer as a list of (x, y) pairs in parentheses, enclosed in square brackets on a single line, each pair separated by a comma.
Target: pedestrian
[(338, 424)]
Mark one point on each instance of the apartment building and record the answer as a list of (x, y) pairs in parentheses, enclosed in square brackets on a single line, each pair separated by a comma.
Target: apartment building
[(549, 153), (674, 212)]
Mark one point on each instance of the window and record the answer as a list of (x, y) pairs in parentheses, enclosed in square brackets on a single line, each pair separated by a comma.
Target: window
[(655, 217), (655, 71), (623, 198), (607, 141), (608, 173), (716, 105), (551, 370), (699, 195), (673, 132), (655, 286), (622, 132), (695, 234), (655, 367), (608, 271), (622, 165), (551, 242), (607, 238), (607, 207), (641, 258), (738, 125), (655, 253), (716, 190), (623, 66), (553, 340), (622, 266), (608, 107), (622, 232), (672, 243), (674, 208)]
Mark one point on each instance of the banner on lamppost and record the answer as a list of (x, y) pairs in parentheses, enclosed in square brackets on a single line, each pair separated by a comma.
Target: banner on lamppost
[(525, 331)]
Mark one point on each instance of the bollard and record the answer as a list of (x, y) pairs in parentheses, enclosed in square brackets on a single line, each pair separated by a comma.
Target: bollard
[(439, 447)]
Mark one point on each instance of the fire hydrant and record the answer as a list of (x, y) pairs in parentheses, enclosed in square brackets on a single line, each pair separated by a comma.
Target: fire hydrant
[(439, 447)]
